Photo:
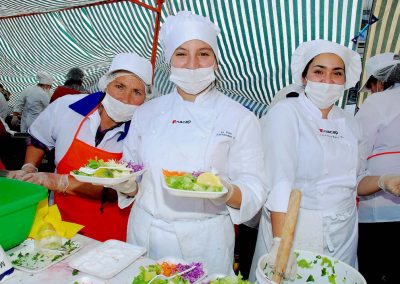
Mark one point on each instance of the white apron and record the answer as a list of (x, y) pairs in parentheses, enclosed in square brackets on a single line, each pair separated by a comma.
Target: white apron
[(332, 231), (181, 147)]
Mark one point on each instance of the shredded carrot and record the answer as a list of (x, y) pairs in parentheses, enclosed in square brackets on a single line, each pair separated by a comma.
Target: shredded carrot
[(168, 268), (173, 173)]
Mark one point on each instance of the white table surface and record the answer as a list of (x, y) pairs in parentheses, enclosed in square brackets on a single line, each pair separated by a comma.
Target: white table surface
[(61, 273)]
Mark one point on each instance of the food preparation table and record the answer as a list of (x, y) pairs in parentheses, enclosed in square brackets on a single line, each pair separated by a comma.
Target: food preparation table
[(61, 273)]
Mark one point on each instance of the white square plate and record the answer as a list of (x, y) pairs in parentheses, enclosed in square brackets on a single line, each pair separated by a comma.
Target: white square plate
[(105, 181), (107, 259)]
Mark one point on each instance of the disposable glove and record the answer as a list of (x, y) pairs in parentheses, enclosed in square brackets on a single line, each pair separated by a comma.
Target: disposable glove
[(15, 121), (223, 199), (25, 169), (291, 267), (126, 187), (390, 183), (54, 182)]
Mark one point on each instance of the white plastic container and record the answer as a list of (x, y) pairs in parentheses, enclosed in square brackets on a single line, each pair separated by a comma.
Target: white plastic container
[(107, 259)]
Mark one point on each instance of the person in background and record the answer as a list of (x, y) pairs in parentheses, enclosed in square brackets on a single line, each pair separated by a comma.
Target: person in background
[(3, 107), (194, 128), (72, 85), (379, 173), (32, 101), (83, 127), (311, 144), (6, 93)]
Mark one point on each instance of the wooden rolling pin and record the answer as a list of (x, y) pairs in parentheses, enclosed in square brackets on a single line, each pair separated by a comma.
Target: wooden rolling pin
[(287, 236)]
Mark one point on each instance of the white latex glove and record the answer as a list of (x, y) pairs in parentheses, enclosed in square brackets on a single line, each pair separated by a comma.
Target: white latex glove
[(223, 199), (127, 187), (291, 267), (25, 169), (390, 183), (15, 120), (52, 181)]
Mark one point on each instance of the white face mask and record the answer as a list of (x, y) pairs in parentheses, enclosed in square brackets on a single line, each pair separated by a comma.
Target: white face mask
[(192, 81), (323, 95), (116, 110)]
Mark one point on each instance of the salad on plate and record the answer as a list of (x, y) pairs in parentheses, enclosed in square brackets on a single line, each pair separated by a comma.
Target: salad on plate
[(168, 269), (195, 181), (98, 171)]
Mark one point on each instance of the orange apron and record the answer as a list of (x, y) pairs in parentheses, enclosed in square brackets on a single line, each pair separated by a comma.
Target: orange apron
[(101, 221)]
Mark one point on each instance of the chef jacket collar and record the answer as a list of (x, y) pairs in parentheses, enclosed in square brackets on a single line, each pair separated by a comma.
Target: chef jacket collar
[(201, 98), (315, 111), (85, 105)]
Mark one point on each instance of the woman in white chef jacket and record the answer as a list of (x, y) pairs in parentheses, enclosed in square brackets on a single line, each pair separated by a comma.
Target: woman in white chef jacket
[(311, 144), (194, 128), (379, 173)]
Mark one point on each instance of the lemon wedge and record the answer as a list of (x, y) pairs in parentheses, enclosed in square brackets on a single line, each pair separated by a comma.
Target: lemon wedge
[(209, 179)]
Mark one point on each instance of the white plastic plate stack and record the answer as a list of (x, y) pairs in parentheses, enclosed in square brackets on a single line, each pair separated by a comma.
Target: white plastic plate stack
[(108, 259)]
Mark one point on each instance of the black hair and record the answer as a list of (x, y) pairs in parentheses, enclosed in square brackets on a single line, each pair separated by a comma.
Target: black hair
[(70, 82), (304, 73), (372, 81)]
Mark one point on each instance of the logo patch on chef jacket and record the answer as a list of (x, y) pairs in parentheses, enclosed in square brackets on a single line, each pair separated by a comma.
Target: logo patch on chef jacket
[(330, 133), (181, 121)]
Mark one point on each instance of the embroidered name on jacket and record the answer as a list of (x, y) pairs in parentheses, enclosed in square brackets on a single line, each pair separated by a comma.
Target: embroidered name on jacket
[(225, 133), (181, 121), (330, 133)]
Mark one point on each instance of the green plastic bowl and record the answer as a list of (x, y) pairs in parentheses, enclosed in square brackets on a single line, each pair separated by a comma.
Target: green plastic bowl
[(18, 203)]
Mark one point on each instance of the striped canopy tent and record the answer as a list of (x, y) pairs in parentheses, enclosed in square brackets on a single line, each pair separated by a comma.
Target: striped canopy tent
[(256, 42), (384, 36)]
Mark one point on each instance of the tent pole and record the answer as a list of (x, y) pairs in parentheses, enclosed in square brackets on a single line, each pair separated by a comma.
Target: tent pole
[(156, 32)]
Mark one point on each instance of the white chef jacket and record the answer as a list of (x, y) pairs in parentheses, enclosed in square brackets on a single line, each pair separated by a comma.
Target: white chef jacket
[(319, 157), (31, 102), (214, 133), (379, 119), (55, 127)]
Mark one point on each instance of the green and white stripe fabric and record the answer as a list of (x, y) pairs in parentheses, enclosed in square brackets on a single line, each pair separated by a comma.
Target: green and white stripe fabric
[(384, 35), (256, 42)]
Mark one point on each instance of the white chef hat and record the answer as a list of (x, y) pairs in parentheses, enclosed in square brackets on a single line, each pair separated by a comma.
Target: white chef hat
[(379, 66), (185, 26), (44, 78), (131, 62), (308, 50)]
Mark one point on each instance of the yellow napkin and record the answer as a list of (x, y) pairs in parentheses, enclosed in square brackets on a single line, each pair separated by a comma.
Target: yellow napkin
[(46, 214)]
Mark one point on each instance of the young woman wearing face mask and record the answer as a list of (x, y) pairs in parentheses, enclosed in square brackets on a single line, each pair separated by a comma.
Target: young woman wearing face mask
[(311, 144), (194, 128), (82, 127), (32, 101)]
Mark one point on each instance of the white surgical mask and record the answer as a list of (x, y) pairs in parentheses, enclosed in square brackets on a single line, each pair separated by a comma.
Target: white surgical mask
[(323, 95), (192, 81), (116, 110)]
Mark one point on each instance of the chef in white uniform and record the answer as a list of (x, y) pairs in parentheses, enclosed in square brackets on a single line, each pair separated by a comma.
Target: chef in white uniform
[(379, 174), (311, 144), (32, 101), (194, 128)]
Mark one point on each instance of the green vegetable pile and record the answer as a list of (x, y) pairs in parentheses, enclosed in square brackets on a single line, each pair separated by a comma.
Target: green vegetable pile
[(230, 280), (146, 275), (189, 182)]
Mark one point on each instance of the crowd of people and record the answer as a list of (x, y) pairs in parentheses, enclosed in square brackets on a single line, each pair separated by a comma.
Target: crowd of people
[(305, 141)]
